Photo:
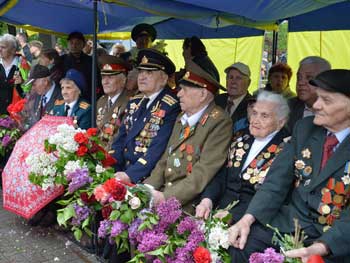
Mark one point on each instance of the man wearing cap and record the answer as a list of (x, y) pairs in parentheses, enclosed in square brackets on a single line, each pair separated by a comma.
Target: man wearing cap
[(46, 93), (249, 158), (111, 106), (78, 60), (235, 101), (314, 170), (149, 120), (72, 105), (198, 145), (301, 106), (143, 35)]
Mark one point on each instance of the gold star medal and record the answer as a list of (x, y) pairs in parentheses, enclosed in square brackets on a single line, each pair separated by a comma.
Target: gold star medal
[(306, 153)]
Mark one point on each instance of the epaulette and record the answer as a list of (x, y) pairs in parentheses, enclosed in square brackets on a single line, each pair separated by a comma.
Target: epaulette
[(169, 100), (59, 102), (84, 105), (137, 96)]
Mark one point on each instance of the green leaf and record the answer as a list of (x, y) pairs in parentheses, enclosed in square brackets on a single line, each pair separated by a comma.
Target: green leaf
[(114, 215), (126, 217), (68, 212), (60, 219), (85, 223), (157, 252), (77, 234)]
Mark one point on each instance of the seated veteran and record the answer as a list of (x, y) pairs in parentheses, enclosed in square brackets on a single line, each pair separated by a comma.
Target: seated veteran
[(314, 169), (249, 157), (198, 144), (278, 80), (44, 93), (72, 104), (111, 106), (148, 121)]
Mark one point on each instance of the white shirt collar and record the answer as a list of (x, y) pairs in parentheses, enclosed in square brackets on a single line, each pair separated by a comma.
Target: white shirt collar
[(114, 98), (49, 93), (341, 135), (193, 119), (236, 103), (153, 97), (71, 105), (8, 69)]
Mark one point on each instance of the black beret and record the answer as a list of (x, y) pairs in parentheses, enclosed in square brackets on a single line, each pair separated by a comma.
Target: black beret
[(145, 29), (151, 59), (335, 80)]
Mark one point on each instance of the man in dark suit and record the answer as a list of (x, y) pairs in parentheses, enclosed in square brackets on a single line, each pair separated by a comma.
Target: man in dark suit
[(301, 106), (72, 86), (46, 93), (149, 120), (235, 101), (249, 158), (314, 169)]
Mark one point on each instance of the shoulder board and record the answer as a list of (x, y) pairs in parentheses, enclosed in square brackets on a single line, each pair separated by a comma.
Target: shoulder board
[(169, 100), (84, 105), (137, 96), (59, 102)]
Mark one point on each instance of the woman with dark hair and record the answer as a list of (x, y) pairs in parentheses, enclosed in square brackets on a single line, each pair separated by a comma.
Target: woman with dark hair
[(50, 58), (194, 49), (278, 80)]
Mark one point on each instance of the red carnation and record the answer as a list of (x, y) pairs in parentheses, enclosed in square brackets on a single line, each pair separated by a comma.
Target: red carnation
[(108, 161), (106, 211), (116, 189), (315, 259), (82, 150), (86, 199), (201, 255), (91, 132), (81, 138)]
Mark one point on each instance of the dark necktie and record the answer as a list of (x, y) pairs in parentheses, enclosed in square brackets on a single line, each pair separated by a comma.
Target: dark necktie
[(42, 105), (110, 104), (229, 106), (67, 110), (328, 147)]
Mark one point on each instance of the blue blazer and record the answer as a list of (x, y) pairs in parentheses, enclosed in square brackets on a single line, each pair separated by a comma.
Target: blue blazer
[(143, 137)]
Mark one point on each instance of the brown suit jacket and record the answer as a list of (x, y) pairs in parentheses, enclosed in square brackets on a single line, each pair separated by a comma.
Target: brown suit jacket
[(190, 162)]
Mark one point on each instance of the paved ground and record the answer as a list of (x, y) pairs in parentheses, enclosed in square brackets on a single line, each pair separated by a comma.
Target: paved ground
[(22, 243)]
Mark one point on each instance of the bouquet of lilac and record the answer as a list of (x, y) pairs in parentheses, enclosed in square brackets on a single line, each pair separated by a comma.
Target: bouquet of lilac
[(166, 234), (9, 134)]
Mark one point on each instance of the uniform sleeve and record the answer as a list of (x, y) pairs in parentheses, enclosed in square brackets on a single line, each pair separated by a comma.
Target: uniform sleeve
[(144, 165), (156, 178), (212, 157), (276, 186), (85, 120), (216, 187)]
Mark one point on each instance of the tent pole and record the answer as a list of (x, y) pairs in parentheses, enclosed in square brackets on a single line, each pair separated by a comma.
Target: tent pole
[(94, 67), (274, 46)]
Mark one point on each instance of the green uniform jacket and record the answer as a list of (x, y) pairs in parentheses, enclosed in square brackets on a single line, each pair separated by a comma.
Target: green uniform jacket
[(189, 164), (297, 168), (108, 121)]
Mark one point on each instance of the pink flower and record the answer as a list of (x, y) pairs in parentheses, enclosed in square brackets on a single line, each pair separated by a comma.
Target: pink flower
[(100, 194)]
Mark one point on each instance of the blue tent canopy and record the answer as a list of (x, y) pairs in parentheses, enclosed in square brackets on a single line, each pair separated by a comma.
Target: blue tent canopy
[(172, 18)]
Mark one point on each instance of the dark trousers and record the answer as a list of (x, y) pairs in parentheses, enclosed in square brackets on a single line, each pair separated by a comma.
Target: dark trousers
[(260, 238)]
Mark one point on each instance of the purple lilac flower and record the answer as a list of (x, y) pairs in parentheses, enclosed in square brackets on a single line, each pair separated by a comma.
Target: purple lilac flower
[(157, 260), (169, 211), (133, 230), (6, 122), (117, 228), (104, 228), (78, 178), (256, 257), (6, 140), (81, 213), (151, 241), (186, 224), (269, 256)]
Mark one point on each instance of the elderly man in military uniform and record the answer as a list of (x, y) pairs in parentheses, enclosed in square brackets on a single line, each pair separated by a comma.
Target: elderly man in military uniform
[(143, 35), (46, 92), (149, 119), (249, 158), (314, 170), (111, 106), (72, 86), (198, 145)]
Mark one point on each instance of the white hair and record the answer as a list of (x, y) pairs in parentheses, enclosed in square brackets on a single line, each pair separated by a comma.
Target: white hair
[(321, 62), (282, 109), (10, 40)]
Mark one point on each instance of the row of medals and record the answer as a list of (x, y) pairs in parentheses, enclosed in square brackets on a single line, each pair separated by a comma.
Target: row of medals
[(148, 132)]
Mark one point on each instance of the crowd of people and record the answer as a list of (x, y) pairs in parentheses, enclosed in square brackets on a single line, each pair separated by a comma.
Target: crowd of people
[(276, 152)]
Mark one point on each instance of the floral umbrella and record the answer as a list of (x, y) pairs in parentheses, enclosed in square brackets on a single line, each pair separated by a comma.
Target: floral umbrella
[(19, 195)]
